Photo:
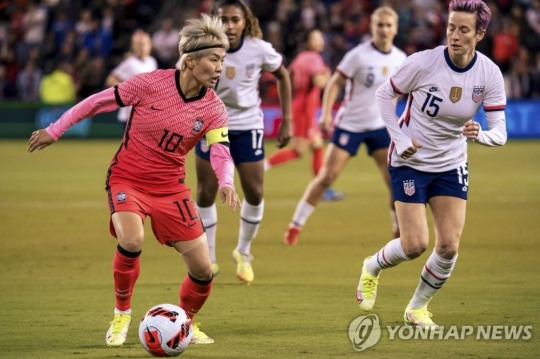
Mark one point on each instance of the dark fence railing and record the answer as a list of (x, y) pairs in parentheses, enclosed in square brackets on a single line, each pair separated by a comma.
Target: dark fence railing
[(18, 120)]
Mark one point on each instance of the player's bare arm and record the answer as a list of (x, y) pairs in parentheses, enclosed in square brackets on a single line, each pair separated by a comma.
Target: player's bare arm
[(284, 90), (331, 91), (321, 78)]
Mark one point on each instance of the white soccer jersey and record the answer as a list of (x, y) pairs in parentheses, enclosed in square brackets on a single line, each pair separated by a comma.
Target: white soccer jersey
[(365, 68), (128, 68), (239, 82), (442, 97)]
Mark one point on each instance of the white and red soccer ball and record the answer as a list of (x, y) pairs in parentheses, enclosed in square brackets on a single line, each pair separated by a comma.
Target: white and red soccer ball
[(165, 330)]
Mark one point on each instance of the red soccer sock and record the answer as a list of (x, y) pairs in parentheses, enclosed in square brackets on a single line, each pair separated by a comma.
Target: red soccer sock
[(126, 270), (282, 156), (193, 294), (318, 157)]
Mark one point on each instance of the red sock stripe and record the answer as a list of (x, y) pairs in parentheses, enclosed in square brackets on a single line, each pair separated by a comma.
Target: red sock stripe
[(384, 257), (433, 275)]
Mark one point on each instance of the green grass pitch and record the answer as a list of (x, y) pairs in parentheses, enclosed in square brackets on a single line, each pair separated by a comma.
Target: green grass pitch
[(56, 293)]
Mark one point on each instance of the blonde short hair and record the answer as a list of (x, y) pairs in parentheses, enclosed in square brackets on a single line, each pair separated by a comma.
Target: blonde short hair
[(384, 10), (200, 36)]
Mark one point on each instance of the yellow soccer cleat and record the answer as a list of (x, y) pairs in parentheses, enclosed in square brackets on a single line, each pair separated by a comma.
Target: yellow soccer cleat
[(366, 292), (199, 337), (244, 272), (420, 318), (215, 269), (116, 335)]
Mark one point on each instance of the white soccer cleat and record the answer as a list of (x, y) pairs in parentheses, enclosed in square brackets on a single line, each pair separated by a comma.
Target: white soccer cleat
[(420, 318)]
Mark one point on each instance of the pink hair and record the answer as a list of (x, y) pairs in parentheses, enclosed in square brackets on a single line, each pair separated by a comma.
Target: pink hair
[(478, 7)]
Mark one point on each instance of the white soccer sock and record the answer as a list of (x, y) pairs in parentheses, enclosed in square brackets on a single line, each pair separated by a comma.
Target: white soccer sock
[(302, 213), (123, 312), (434, 274), (393, 218), (209, 220), (390, 255), (250, 219)]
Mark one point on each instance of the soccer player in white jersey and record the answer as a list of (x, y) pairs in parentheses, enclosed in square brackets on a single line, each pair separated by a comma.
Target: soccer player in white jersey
[(428, 153), (247, 57), (138, 62), (362, 69)]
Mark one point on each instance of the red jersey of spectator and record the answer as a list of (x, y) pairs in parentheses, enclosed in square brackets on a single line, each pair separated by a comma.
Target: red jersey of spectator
[(307, 96), (163, 127)]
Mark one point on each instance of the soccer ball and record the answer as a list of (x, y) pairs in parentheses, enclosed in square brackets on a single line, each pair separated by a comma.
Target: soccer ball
[(165, 330)]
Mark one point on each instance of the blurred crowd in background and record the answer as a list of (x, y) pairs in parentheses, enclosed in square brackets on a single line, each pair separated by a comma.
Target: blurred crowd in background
[(62, 50)]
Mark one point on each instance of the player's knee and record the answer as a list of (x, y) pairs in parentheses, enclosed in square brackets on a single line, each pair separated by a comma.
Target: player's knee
[(415, 248), (327, 178), (131, 242), (447, 250), (205, 196), (204, 273), (254, 196)]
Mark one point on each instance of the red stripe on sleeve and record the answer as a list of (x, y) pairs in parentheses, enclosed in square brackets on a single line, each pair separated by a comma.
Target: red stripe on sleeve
[(396, 90), (494, 108), (342, 73)]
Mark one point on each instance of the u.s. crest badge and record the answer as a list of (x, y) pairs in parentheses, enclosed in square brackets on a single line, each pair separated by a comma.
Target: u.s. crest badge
[(408, 187), (250, 70), (455, 94), (230, 72), (477, 93), (343, 139)]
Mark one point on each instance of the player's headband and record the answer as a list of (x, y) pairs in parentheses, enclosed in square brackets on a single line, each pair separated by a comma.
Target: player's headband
[(204, 48)]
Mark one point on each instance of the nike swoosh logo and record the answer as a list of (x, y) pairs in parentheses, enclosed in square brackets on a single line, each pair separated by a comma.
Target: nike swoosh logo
[(155, 108), (224, 135), (191, 225), (152, 339)]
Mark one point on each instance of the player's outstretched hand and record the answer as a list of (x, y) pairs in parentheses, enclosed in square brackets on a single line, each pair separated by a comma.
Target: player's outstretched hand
[(471, 129), (39, 140), (229, 197), (284, 134), (326, 125), (411, 150)]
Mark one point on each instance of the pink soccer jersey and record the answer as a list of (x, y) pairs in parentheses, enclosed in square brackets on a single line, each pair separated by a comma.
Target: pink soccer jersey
[(306, 96), (303, 68), (163, 127)]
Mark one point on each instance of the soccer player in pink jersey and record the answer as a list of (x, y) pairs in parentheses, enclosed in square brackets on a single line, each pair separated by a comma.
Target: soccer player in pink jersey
[(446, 87), (309, 75), (172, 111), (362, 70)]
